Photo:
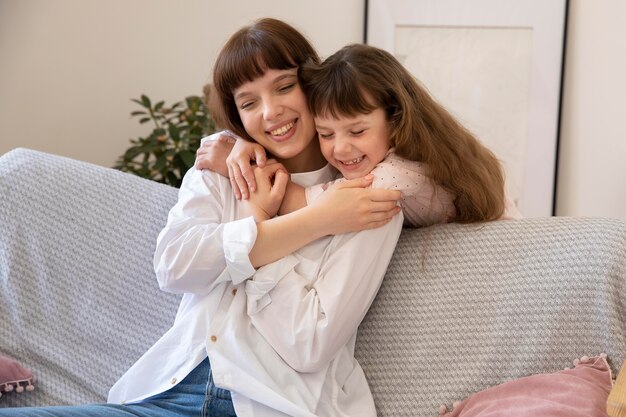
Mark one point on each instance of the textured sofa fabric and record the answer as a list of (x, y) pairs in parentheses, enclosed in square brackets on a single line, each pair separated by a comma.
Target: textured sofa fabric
[(78, 298), (462, 307)]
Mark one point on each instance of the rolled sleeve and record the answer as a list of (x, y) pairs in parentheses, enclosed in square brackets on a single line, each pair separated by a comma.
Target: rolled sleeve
[(239, 237)]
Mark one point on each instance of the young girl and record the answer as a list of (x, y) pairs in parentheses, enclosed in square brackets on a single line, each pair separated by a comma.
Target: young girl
[(372, 116)]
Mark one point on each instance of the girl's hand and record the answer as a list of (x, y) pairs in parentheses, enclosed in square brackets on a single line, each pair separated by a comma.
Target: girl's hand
[(213, 153), (240, 171), (265, 201), (350, 207)]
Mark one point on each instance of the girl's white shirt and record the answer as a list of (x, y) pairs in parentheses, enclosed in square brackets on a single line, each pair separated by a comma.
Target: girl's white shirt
[(280, 338)]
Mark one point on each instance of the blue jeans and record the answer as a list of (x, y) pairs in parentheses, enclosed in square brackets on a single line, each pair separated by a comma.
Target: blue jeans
[(196, 395)]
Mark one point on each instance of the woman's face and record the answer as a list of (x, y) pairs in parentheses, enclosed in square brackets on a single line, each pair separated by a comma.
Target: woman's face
[(274, 112), (354, 145)]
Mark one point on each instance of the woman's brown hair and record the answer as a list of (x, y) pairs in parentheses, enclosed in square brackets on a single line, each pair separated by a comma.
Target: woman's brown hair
[(360, 78), (248, 54)]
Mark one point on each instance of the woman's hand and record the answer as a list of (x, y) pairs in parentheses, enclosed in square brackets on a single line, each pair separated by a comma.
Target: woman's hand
[(265, 201), (350, 207), (240, 170), (213, 153)]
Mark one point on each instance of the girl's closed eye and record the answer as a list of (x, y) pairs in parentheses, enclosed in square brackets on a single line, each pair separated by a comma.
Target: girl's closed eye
[(357, 132), (325, 135)]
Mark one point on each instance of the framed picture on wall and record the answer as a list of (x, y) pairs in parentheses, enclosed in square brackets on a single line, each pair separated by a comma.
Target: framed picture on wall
[(497, 66)]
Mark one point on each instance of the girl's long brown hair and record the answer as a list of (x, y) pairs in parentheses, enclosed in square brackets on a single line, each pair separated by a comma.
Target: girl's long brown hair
[(360, 78), (248, 54)]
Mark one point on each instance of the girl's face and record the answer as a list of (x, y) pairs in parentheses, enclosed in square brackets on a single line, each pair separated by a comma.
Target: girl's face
[(354, 145), (274, 112)]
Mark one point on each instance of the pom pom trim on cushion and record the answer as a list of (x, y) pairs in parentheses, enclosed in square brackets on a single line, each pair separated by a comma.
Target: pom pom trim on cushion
[(18, 386), (14, 377)]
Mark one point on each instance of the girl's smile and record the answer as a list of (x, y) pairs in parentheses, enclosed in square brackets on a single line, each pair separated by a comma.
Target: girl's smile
[(354, 145)]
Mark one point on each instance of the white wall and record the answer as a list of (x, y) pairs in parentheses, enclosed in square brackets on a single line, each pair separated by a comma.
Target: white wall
[(68, 69), (592, 173)]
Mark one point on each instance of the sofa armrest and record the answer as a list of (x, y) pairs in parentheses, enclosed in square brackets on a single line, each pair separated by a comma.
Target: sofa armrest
[(78, 299)]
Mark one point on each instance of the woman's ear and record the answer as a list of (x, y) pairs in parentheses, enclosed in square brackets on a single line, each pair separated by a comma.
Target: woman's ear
[(214, 106)]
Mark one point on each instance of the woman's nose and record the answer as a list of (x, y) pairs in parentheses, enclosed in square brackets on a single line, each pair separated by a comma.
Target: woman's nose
[(272, 109)]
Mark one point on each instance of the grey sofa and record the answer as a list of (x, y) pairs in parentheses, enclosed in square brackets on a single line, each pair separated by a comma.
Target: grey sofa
[(462, 308)]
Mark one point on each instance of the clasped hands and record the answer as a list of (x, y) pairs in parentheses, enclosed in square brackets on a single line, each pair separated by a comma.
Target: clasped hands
[(271, 183)]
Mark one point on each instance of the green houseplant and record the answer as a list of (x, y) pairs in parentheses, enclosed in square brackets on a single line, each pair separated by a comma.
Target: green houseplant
[(170, 149)]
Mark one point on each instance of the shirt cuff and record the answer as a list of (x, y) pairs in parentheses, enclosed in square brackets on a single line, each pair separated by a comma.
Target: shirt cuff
[(238, 238)]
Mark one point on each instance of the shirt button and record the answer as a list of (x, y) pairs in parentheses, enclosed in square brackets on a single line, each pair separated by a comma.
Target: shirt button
[(213, 338), (173, 381), (234, 291)]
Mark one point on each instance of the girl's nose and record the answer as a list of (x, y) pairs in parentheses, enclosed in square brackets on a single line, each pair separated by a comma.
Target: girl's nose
[(343, 146)]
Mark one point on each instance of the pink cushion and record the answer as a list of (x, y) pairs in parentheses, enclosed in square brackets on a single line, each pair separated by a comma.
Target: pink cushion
[(14, 376), (578, 392)]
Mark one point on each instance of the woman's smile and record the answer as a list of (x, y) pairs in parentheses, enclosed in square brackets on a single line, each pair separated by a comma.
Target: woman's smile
[(274, 112), (283, 131)]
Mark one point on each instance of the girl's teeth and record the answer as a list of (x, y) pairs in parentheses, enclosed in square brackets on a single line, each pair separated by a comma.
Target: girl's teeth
[(353, 162), (282, 130)]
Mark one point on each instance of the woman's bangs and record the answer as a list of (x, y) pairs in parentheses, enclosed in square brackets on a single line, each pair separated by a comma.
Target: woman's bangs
[(252, 61)]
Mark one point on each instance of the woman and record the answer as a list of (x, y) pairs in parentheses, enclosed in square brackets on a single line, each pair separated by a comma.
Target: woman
[(281, 338)]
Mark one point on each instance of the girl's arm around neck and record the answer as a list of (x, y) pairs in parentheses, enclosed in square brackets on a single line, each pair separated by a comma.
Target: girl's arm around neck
[(280, 236), (347, 207)]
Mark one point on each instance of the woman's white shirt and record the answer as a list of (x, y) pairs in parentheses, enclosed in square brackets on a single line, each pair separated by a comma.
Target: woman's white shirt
[(280, 338)]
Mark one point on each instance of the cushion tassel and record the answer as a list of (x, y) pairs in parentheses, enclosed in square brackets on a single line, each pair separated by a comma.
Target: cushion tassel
[(17, 386)]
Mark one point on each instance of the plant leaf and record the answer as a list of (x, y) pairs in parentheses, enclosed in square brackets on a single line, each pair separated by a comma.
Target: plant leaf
[(146, 101), (174, 132), (188, 158)]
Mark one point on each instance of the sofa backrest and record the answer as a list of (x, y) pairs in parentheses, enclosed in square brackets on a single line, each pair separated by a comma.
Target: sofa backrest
[(466, 307)]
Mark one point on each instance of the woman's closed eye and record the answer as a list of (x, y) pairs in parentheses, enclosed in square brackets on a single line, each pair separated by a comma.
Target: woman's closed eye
[(285, 88), (245, 105)]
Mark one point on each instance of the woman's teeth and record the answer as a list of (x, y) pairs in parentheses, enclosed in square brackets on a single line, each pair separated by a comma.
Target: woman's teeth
[(282, 130), (352, 162)]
